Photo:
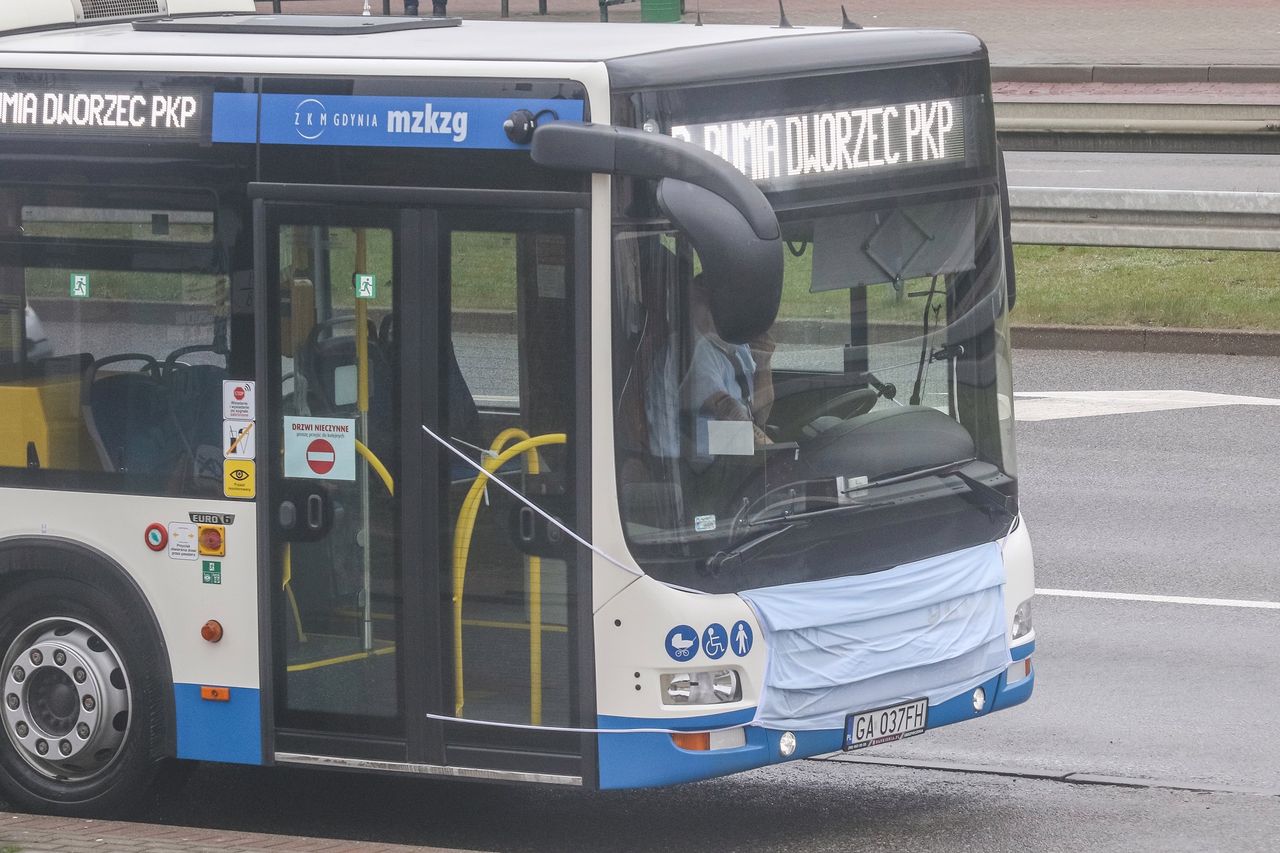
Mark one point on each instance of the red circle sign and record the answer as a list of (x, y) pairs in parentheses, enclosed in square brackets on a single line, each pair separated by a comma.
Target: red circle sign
[(321, 456), (156, 537), (238, 393)]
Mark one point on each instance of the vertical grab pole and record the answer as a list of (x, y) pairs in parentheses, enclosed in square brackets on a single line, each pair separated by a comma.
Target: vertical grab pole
[(362, 434)]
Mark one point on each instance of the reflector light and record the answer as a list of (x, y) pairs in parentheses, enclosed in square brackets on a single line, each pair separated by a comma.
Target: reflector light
[(215, 694), (697, 741), (211, 631)]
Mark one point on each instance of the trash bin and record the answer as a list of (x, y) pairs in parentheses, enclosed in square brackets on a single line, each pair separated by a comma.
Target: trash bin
[(659, 11)]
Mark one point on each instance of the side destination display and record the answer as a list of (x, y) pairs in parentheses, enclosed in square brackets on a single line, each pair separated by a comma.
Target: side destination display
[(154, 109), (377, 121), (787, 150)]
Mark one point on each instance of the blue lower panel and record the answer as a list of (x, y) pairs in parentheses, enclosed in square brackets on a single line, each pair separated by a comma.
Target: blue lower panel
[(649, 759), (228, 731)]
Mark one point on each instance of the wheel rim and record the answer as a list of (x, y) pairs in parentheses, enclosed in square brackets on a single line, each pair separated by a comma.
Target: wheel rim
[(66, 699)]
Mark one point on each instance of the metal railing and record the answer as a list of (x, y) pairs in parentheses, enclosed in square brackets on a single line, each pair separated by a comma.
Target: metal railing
[(1178, 219)]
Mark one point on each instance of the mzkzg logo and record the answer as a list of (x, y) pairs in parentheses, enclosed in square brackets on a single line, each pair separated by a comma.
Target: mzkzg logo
[(312, 118), (428, 120)]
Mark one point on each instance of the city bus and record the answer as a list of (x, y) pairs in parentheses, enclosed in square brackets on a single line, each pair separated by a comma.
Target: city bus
[(579, 404)]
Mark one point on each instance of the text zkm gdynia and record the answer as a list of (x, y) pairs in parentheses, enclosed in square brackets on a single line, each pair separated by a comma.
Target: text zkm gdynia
[(775, 149), (106, 110)]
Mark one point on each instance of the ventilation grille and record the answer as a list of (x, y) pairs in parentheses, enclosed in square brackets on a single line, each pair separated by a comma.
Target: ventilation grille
[(96, 10)]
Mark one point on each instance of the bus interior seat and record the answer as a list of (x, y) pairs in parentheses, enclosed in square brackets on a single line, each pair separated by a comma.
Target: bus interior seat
[(194, 397), (127, 416)]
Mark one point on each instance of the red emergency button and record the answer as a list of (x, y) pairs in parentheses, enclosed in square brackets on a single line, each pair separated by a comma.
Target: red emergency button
[(156, 537), (213, 540)]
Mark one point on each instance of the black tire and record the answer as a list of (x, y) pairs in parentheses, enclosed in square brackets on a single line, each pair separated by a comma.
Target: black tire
[(55, 630)]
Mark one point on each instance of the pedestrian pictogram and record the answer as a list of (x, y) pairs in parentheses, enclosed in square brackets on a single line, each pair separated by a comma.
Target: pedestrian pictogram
[(321, 456), (366, 285), (80, 285), (742, 638)]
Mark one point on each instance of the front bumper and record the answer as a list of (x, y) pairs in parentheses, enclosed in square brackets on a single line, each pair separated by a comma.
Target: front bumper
[(634, 758)]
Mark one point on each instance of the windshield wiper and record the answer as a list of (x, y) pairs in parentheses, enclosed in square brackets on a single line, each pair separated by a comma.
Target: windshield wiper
[(730, 560), (941, 471)]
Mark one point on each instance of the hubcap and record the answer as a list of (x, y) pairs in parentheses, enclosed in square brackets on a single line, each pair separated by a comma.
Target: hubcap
[(66, 699)]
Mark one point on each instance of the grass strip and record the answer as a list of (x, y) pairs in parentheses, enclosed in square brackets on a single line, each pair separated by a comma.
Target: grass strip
[(1181, 288)]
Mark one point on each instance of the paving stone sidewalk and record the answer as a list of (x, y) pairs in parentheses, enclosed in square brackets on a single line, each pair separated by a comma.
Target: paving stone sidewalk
[(23, 833)]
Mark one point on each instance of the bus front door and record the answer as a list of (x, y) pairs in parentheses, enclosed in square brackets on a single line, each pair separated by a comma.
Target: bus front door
[(422, 616)]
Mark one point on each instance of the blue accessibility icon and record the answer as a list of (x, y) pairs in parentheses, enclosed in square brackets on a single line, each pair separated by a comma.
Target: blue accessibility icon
[(715, 641), (682, 643), (741, 638)]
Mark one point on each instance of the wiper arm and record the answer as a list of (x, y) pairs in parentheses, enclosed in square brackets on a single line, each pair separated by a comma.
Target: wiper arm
[(993, 501), (940, 471), (730, 560)]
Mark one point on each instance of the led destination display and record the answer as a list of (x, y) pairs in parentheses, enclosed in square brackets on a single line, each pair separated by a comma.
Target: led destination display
[(782, 149), (104, 110)]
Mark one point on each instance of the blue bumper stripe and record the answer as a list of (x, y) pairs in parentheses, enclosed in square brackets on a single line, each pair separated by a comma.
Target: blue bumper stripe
[(638, 760), (228, 731)]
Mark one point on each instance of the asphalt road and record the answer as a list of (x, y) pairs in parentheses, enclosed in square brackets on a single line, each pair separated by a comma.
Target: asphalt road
[(1207, 172), (1170, 709)]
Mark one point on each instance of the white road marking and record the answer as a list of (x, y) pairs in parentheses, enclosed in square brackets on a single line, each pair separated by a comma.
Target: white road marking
[(1162, 599), (1056, 405)]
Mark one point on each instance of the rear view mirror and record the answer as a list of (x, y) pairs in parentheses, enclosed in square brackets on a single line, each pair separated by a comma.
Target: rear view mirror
[(743, 273), (728, 220)]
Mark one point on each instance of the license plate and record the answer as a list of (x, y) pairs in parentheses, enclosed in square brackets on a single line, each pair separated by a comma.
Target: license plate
[(885, 725)]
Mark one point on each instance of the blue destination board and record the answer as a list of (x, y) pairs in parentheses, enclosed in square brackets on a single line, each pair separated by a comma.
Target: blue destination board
[(377, 121)]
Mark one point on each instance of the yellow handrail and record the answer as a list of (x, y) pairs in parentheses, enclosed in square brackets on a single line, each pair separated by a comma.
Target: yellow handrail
[(376, 464), (462, 547)]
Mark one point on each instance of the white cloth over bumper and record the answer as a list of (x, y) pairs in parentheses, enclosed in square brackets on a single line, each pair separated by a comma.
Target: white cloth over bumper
[(930, 629)]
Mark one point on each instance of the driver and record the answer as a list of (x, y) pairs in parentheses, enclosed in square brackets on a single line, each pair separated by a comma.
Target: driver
[(725, 382)]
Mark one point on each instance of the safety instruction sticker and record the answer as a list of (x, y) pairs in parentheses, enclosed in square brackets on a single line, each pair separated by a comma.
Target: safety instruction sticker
[(211, 572), (239, 478), (237, 400), (183, 544), (320, 448), (366, 285), (237, 439), (79, 287)]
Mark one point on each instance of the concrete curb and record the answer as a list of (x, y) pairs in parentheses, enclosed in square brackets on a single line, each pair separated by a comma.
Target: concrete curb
[(1073, 73), (1132, 339)]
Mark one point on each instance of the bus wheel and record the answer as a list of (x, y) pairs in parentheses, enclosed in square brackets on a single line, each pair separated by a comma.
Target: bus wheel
[(80, 706)]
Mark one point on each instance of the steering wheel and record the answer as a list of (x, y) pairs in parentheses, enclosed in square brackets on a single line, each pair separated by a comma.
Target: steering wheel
[(850, 404)]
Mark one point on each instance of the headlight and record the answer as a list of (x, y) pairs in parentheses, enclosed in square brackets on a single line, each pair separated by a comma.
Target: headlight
[(1022, 620), (712, 687)]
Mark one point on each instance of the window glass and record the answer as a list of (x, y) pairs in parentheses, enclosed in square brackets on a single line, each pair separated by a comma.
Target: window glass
[(510, 401), (882, 375), (111, 362)]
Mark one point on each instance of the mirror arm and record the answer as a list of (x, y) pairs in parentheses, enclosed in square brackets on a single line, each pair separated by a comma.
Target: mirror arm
[(612, 150)]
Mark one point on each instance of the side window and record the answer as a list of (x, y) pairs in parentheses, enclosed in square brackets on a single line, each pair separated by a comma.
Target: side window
[(114, 343)]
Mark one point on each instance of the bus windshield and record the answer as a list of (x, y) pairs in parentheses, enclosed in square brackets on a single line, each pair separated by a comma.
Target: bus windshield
[(828, 444)]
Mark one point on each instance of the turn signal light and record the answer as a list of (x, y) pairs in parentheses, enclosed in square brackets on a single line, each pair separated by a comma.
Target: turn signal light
[(698, 741), (211, 631), (215, 694)]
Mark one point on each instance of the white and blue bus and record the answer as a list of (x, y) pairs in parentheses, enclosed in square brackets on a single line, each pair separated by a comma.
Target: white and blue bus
[(581, 404)]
